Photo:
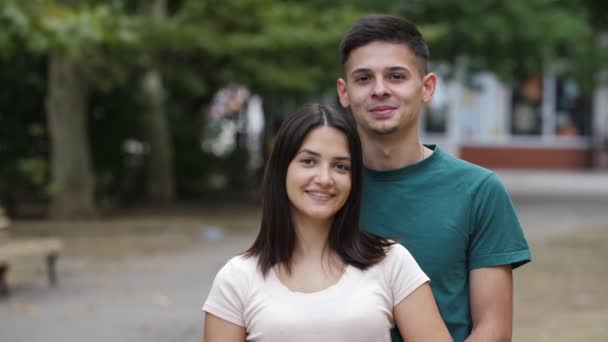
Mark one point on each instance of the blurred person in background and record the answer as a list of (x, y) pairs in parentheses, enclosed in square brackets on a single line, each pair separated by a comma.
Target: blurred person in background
[(312, 274), (455, 218)]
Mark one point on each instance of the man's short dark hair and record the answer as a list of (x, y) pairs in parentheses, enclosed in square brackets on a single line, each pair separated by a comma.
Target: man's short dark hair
[(385, 28)]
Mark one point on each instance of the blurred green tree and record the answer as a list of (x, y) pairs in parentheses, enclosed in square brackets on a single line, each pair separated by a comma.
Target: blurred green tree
[(514, 39), (73, 35), (183, 50), (160, 185), (108, 72)]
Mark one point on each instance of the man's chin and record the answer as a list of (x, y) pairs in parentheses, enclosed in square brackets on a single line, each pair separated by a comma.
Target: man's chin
[(386, 130)]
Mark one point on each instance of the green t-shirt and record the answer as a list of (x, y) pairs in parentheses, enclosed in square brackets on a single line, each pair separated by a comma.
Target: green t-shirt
[(453, 217)]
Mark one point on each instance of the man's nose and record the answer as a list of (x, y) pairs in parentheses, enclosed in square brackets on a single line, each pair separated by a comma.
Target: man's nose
[(380, 88)]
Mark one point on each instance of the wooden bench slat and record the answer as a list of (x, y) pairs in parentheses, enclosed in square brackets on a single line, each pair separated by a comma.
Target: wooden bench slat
[(15, 248)]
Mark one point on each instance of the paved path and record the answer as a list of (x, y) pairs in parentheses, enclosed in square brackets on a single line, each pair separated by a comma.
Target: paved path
[(557, 202), (557, 184), (158, 299), (155, 299)]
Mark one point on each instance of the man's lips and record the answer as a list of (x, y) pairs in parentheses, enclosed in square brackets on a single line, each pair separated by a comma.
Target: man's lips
[(382, 111)]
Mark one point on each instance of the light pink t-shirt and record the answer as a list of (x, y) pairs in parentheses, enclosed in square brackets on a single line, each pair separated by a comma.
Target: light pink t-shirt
[(359, 307)]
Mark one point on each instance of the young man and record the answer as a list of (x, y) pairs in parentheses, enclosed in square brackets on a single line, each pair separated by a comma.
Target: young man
[(456, 218)]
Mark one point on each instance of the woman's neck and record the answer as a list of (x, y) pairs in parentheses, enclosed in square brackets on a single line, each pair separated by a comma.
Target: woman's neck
[(314, 266), (311, 239)]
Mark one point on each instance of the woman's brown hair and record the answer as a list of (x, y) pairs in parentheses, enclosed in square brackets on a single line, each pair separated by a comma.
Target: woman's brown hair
[(277, 236)]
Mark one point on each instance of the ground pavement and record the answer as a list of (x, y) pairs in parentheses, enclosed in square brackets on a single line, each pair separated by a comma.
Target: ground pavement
[(134, 299), (159, 299)]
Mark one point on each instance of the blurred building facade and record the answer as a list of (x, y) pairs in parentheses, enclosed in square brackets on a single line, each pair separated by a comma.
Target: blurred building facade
[(545, 122)]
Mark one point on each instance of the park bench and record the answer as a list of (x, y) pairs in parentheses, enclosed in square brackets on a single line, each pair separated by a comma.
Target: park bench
[(12, 249)]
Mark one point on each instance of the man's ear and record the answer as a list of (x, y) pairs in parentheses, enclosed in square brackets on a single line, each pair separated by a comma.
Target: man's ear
[(342, 92), (429, 83)]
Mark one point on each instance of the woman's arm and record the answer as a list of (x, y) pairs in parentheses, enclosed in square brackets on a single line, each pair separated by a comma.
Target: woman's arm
[(220, 330), (418, 318)]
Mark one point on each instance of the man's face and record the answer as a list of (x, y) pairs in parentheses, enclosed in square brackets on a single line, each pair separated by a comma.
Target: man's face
[(384, 87)]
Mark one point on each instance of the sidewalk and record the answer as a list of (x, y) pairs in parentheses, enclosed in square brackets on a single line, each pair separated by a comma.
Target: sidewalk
[(157, 297), (571, 184)]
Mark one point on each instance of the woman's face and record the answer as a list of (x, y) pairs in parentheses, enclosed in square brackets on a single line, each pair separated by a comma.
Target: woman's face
[(318, 178)]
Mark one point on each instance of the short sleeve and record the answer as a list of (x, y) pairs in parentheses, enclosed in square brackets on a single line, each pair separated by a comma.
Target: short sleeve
[(402, 273), (227, 296), (497, 237)]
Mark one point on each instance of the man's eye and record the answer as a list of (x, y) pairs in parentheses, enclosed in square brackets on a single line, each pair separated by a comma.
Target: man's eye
[(397, 77), (362, 79)]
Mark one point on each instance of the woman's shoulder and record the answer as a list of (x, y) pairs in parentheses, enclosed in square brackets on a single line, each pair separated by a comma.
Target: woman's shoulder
[(242, 264), (238, 272), (402, 272), (238, 267), (397, 253)]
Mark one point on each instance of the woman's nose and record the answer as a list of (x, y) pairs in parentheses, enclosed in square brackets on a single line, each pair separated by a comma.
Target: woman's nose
[(324, 177)]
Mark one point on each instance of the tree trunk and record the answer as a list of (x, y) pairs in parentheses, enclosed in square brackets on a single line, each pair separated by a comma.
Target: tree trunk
[(72, 180), (161, 180)]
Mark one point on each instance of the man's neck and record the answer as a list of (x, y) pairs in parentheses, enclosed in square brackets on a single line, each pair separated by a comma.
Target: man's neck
[(390, 153)]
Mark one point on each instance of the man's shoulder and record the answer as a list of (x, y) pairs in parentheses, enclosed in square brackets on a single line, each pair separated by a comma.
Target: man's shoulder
[(461, 165), (462, 169)]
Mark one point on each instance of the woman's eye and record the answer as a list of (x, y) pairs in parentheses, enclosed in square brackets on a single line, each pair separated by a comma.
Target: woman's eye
[(307, 161), (343, 167)]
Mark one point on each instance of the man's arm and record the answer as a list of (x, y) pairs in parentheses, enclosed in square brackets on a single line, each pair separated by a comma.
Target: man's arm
[(491, 291)]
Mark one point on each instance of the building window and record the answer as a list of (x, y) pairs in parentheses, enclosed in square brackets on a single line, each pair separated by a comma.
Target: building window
[(572, 110), (526, 104)]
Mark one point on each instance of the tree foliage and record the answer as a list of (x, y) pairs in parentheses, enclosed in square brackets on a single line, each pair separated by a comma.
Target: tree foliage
[(281, 49), (513, 38)]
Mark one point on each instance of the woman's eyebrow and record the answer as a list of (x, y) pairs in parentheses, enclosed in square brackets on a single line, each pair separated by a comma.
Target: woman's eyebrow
[(305, 150), (317, 154)]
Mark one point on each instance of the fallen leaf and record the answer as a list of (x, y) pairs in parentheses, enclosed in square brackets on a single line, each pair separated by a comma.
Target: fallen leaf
[(162, 300), (24, 309)]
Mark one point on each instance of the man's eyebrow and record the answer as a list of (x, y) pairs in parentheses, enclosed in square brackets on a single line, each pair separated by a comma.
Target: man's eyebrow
[(360, 71), (398, 68), (391, 68)]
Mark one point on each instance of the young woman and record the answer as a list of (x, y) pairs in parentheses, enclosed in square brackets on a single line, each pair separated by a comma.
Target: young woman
[(312, 274)]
